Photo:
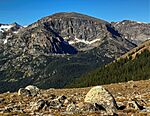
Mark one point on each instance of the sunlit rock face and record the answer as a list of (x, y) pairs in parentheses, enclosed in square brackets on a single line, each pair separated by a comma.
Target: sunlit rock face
[(136, 32)]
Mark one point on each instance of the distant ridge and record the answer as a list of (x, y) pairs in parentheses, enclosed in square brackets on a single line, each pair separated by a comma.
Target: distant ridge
[(138, 50)]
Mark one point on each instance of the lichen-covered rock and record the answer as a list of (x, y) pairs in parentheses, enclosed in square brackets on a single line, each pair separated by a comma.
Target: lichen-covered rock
[(24, 92), (2, 100), (33, 90), (102, 97), (38, 105), (57, 102), (62, 99), (86, 107), (71, 108), (134, 105)]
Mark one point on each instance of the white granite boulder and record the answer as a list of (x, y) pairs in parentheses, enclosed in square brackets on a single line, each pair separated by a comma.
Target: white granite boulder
[(102, 97)]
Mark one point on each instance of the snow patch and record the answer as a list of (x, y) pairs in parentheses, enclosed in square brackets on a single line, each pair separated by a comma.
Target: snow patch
[(71, 42), (5, 27), (123, 23), (141, 22), (1, 30), (6, 40), (83, 41), (25, 26), (15, 32)]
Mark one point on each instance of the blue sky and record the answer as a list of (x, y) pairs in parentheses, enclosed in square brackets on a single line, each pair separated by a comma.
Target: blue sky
[(26, 12)]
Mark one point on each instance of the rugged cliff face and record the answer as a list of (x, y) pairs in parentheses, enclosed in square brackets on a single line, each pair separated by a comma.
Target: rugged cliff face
[(136, 32), (56, 49), (68, 33)]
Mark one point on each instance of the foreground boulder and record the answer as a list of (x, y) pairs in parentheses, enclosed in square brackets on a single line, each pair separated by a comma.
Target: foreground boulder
[(28, 91), (100, 96), (33, 90), (24, 92)]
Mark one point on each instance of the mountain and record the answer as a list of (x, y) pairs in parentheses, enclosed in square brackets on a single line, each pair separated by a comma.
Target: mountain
[(64, 33), (133, 65), (10, 27), (136, 32), (6, 31), (56, 49)]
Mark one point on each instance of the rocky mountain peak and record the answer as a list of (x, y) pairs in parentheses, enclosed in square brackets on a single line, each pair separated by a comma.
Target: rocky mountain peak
[(8, 30), (9, 27), (136, 32), (80, 31), (72, 15)]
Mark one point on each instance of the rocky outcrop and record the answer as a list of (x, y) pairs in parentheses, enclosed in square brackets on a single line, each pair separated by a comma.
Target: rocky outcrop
[(30, 90), (33, 90), (24, 92), (137, 50), (136, 32)]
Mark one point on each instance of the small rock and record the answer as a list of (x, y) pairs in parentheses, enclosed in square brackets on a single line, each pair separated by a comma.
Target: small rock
[(85, 107), (121, 105), (102, 97), (71, 108), (52, 96), (134, 105), (147, 109), (55, 104), (33, 90), (24, 92), (141, 102), (1, 100), (38, 105), (66, 101), (5, 110), (9, 108), (62, 99)]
